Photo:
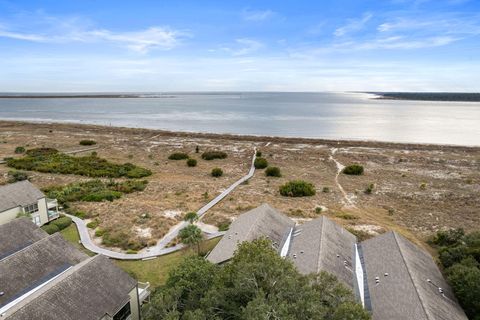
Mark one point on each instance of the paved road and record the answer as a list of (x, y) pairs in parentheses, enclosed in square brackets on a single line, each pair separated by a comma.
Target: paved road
[(159, 249)]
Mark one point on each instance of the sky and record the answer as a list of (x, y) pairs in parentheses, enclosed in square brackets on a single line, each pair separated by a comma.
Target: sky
[(194, 45)]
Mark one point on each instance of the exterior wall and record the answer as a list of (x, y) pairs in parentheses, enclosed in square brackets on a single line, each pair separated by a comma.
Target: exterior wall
[(9, 215), (134, 304), (42, 209)]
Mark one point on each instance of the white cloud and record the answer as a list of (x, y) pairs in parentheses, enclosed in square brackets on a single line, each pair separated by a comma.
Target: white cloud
[(353, 25), (244, 47), (260, 15), (55, 30)]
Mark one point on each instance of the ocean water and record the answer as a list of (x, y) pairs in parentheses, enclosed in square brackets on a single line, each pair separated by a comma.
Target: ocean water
[(352, 116)]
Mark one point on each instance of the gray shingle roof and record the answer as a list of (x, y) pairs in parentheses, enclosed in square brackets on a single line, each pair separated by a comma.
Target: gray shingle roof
[(405, 293), (263, 221), (90, 290), (18, 234), (20, 193), (33, 265), (323, 245)]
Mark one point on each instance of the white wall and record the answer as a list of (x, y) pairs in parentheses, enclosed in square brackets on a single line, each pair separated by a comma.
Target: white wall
[(42, 209), (9, 215)]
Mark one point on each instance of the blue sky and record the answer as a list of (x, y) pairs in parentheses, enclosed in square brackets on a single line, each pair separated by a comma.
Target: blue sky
[(380, 45)]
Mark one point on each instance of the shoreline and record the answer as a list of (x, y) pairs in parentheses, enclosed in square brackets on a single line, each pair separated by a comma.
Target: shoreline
[(238, 137)]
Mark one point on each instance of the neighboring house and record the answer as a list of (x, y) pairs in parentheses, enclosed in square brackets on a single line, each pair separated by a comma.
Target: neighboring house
[(392, 278), (23, 198), (44, 277)]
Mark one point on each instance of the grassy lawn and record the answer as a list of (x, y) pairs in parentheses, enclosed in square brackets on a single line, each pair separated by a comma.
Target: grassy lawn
[(71, 234), (154, 271)]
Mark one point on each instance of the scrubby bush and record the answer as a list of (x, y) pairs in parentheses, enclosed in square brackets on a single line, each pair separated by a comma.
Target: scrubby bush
[(51, 161), (62, 222), (92, 224), (87, 142), (353, 169), (223, 225), (447, 237), (191, 217), (211, 155), (50, 228), (217, 172), (369, 188), (178, 156), (15, 176), (19, 150), (326, 190), (94, 190), (99, 232), (197, 149), (297, 188), (258, 153), (318, 210), (273, 172), (260, 163), (192, 162)]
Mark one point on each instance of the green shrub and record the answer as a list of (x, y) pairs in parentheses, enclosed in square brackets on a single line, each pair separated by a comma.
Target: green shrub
[(297, 188), (448, 238), (51, 161), (92, 224), (14, 176), (223, 225), (273, 172), (369, 188), (132, 251), (211, 155), (94, 190), (318, 210), (87, 142), (260, 163), (258, 154), (19, 150), (62, 222), (191, 162), (326, 190), (353, 169), (217, 172), (99, 232), (197, 149), (178, 156), (80, 214), (50, 228)]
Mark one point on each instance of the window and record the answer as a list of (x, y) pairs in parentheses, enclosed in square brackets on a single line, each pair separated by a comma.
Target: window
[(123, 313), (31, 208)]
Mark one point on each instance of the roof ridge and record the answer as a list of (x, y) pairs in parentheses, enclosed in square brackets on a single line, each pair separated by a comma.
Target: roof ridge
[(50, 236), (322, 219), (61, 277), (410, 275)]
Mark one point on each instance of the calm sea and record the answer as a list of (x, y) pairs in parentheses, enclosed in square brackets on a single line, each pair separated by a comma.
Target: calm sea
[(313, 115)]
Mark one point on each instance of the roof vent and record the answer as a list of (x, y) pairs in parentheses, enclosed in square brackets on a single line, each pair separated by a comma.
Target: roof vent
[(440, 290), (428, 280), (338, 256), (229, 237), (2, 293), (386, 274), (301, 251), (294, 255)]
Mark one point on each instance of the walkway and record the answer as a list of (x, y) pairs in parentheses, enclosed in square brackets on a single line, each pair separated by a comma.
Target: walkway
[(347, 200), (160, 248)]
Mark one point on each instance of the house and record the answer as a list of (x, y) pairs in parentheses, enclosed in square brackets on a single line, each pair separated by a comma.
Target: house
[(391, 277), (401, 281), (45, 277), (23, 198)]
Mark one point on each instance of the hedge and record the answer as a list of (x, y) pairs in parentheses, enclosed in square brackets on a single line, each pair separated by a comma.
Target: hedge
[(62, 222), (50, 228)]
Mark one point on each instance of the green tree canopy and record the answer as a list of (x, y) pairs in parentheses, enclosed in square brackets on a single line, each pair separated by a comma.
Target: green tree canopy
[(191, 235), (256, 284)]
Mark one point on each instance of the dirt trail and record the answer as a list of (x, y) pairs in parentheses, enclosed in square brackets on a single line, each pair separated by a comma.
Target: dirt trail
[(347, 199)]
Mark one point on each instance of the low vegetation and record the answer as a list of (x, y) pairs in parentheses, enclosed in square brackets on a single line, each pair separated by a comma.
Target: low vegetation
[(87, 142), (178, 156), (297, 188), (51, 161), (19, 150), (257, 282), (353, 169), (191, 217), (217, 172), (460, 256), (57, 225), (95, 190), (273, 172), (211, 155), (260, 163), (369, 188), (258, 153), (15, 176), (191, 162)]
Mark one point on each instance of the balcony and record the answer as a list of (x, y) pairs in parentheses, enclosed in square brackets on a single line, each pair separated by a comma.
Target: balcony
[(52, 204), (143, 291), (52, 214)]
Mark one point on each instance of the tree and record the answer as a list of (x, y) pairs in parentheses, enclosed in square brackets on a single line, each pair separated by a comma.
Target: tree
[(191, 235), (464, 277), (191, 217), (256, 284)]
